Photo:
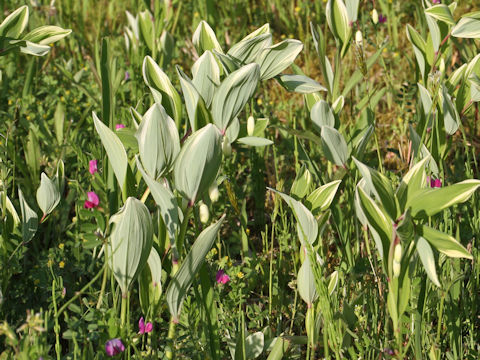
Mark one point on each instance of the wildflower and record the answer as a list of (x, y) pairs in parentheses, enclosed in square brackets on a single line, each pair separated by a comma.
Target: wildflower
[(49, 262), (114, 347), (92, 166), (434, 183), (61, 264), (382, 19), (259, 102), (240, 275), (221, 277), (213, 192), (144, 328), (358, 38), (297, 9), (61, 246), (92, 201), (435, 1), (64, 292), (119, 126), (36, 281), (127, 76)]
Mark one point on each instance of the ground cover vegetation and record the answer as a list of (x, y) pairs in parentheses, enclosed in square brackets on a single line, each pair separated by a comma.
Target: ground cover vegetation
[(239, 179)]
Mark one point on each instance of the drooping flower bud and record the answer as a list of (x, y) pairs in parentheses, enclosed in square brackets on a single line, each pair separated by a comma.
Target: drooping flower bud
[(358, 38), (396, 269), (213, 193), (204, 214), (397, 255), (226, 147), (375, 16), (250, 125)]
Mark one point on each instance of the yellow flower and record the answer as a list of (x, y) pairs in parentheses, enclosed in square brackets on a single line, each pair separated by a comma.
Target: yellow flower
[(247, 231), (67, 92), (62, 99), (282, 36), (36, 282), (61, 246), (196, 14), (10, 101), (259, 102), (50, 262), (61, 264), (28, 117), (297, 9), (240, 275)]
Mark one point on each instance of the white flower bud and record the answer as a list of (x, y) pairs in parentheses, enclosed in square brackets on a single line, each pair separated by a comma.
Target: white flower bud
[(213, 192), (226, 147), (250, 125), (396, 269), (397, 254), (358, 38), (442, 66), (204, 214), (375, 16)]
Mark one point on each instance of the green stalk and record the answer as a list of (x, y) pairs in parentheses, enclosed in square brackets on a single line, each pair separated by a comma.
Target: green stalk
[(123, 310), (183, 229), (170, 337), (56, 328)]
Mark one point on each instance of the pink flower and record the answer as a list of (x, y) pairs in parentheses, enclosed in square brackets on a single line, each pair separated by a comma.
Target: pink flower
[(144, 328), (382, 19), (119, 126), (434, 183), (92, 200), (114, 347), (92, 166), (435, 1), (221, 277)]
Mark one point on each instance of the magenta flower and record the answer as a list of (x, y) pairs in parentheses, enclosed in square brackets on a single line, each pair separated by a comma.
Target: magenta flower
[(435, 183), (92, 200), (114, 347), (435, 1), (119, 126), (92, 166), (144, 328), (127, 76), (382, 19), (221, 277)]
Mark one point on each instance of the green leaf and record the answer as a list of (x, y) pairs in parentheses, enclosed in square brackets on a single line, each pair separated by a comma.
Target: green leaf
[(15, 23), (198, 162), (338, 21), (198, 115), (147, 28), (165, 200), (425, 98), (279, 348), (233, 94), (29, 219), (307, 226), (321, 198), (443, 242), (158, 141), (467, 28), (255, 141), (34, 49), (428, 202), (254, 345), (377, 220), (130, 242), (321, 115), (332, 283), (59, 121), (334, 146), (156, 79), (426, 256), (302, 183), (204, 38), (450, 114), (150, 282), (276, 58), (114, 148), (299, 83), (306, 283), (441, 12), (206, 76), (48, 195), (247, 50), (260, 126), (381, 187), (413, 180), (46, 35), (181, 282)]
